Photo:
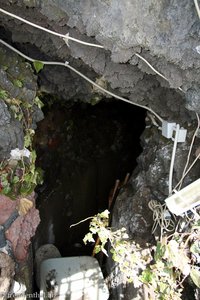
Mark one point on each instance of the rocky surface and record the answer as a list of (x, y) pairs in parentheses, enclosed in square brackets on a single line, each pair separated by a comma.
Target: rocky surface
[(7, 267), (15, 72), (22, 229), (166, 34)]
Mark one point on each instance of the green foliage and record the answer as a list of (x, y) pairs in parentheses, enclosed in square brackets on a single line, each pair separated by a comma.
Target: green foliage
[(161, 269), (19, 175), (38, 102), (195, 275), (125, 252), (38, 65), (3, 94), (18, 83)]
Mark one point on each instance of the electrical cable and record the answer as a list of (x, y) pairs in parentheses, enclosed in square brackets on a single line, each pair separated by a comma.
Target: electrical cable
[(65, 37), (173, 159), (161, 217), (189, 153), (197, 7), (66, 64)]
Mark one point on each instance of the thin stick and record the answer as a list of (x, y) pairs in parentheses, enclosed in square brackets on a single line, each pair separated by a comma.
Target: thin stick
[(116, 187), (126, 179), (110, 201), (75, 224), (65, 37)]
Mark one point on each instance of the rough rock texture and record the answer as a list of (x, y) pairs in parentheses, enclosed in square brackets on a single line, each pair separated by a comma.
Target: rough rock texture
[(12, 68), (165, 33), (149, 182), (22, 229), (7, 267)]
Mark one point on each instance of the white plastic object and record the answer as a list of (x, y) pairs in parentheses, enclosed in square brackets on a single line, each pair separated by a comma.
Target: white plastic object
[(198, 49), (182, 135), (17, 290), (73, 278), (168, 129), (185, 199)]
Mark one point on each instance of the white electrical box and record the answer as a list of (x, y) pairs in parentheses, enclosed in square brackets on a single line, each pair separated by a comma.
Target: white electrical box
[(182, 135), (185, 199), (169, 131)]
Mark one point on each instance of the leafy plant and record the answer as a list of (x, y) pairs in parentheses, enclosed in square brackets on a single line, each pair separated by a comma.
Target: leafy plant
[(19, 174), (129, 256), (161, 269)]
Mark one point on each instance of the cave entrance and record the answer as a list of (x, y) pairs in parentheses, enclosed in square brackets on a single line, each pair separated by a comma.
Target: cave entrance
[(82, 149)]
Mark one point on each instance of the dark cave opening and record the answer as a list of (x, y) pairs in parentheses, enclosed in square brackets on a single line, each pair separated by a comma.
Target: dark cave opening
[(83, 150)]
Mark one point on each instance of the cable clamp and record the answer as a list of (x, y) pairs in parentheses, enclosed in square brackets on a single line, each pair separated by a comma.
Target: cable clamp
[(169, 128)]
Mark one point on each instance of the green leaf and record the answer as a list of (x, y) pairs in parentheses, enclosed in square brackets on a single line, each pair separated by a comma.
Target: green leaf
[(38, 102), (195, 248), (6, 189), (27, 141), (160, 250), (177, 256), (104, 214), (33, 156), (88, 238), (195, 275), (15, 179), (38, 65), (97, 249), (163, 287), (26, 188), (4, 180), (3, 94), (147, 276), (18, 83)]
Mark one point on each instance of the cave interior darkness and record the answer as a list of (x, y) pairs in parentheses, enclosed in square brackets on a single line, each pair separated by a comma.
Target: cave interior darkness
[(83, 149)]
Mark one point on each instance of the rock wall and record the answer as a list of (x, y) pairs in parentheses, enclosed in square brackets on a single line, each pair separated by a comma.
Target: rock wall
[(166, 34)]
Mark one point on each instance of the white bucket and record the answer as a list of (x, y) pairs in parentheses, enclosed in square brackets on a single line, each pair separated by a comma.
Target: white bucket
[(72, 278)]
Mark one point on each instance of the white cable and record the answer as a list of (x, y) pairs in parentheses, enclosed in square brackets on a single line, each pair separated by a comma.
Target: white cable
[(173, 158), (197, 7), (188, 170), (152, 68), (65, 37), (114, 95), (66, 64), (189, 153), (159, 217)]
